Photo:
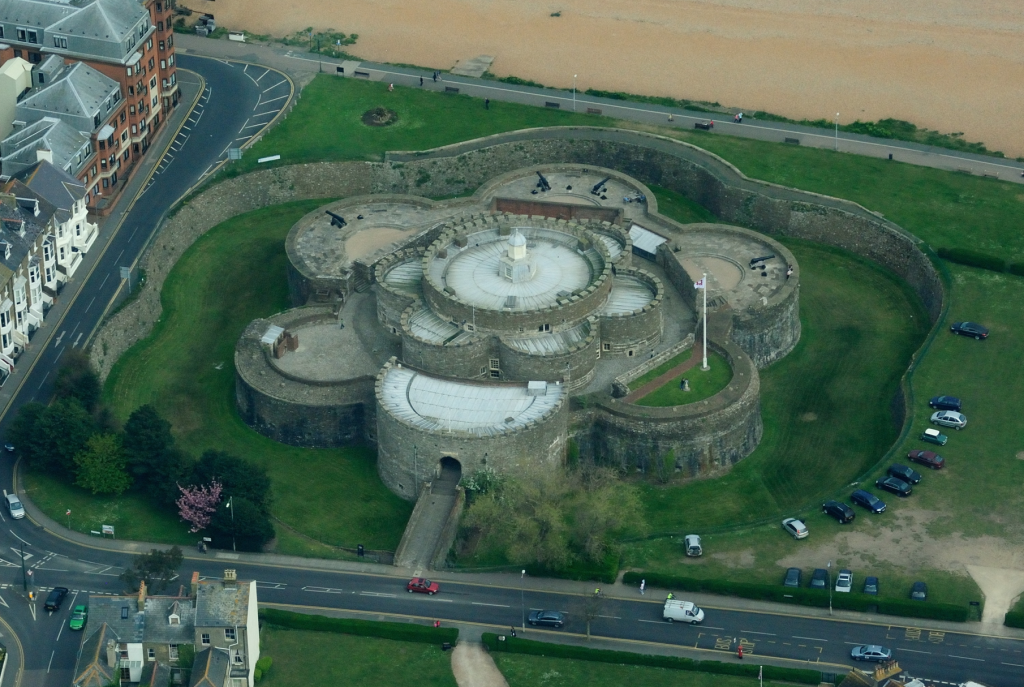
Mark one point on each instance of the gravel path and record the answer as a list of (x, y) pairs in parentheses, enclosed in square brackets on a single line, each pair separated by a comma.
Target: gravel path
[(473, 667)]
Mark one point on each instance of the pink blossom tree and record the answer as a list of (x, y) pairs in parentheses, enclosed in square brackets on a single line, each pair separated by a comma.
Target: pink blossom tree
[(197, 504)]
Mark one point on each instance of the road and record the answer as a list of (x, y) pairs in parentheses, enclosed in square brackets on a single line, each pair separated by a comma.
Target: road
[(236, 102)]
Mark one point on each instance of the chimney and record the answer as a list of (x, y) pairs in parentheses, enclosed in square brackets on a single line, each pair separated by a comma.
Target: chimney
[(230, 576), (195, 584), (142, 596), (111, 653), (44, 155)]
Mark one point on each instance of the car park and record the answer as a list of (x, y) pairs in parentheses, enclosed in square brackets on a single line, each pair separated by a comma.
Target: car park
[(844, 583), (796, 528), (682, 611), (691, 544), (819, 579), (945, 403), (934, 436), (422, 586), (949, 418), (14, 507), (870, 652), (55, 599), (793, 576), (929, 458), (969, 329), (908, 475), (871, 585), (546, 618), (838, 510), (79, 616), (894, 485), (868, 500), (919, 591)]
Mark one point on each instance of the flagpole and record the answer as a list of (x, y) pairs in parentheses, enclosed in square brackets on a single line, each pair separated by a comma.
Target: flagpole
[(704, 281)]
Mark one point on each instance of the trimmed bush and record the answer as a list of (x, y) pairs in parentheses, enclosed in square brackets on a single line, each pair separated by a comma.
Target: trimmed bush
[(973, 258), (518, 645), (1016, 268), (365, 628), (803, 596), (1014, 619)]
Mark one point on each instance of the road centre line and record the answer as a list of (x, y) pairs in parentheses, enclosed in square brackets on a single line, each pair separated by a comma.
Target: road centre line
[(1015, 665), (812, 639), (659, 622), (709, 627), (915, 651), (380, 594), (611, 617), (481, 603), (770, 634), (967, 658)]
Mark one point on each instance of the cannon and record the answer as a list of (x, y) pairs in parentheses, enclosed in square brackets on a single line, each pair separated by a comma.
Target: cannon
[(754, 261), (597, 187), (543, 183), (336, 220)]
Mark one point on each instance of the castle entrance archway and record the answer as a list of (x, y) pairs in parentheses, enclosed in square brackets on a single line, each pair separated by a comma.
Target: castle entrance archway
[(449, 474)]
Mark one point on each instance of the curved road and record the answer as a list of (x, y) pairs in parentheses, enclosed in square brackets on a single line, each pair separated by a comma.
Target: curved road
[(237, 102)]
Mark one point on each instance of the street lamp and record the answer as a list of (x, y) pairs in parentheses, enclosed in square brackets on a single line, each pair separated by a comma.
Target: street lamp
[(830, 587), (231, 505), (837, 132), (522, 597), (573, 92)]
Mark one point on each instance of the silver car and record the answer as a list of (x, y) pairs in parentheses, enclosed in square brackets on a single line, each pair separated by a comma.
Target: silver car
[(871, 652), (949, 418), (796, 528)]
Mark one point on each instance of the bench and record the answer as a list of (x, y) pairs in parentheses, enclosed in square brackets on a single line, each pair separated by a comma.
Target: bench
[(450, 89), (549, 104), (593, 110), (794, 141)]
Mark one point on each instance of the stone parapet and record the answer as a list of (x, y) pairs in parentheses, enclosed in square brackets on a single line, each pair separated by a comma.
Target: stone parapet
[(632, 334), (573, 366)]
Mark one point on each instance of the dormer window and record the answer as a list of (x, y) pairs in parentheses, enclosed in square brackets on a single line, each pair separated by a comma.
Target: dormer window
[(174, 619)]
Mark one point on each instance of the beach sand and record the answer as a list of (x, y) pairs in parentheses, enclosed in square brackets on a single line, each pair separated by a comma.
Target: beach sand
[(947, 65)]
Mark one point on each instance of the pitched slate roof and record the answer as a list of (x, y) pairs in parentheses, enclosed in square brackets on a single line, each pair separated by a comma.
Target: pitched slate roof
[(129, 625), (210, 668), (77, 90), (155, 674), (19, 149), (34, 12), (19, 229), (92, 669), (222, 604), (24, 193), (105, 19), (54, 185), (158, 628)]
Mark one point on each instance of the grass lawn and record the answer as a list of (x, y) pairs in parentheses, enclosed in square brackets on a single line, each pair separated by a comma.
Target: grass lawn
[(660, 369), (302, 659), (521, 670), (703, 384), (233, 274)]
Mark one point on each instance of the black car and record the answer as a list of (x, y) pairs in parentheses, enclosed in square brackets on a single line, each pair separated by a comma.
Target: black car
[(868, 500), (871, 585), (838, 510), (793, 576), (908, 475), (55, 599), (969, 329), (919, 591), (895, 485), (549, 618), (819, 580), (945, 403)]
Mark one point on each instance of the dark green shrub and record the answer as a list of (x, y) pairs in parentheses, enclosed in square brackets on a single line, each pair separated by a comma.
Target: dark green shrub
[(1014, 619), (973, 258), (605, 572), (1016, 268), (518, 645), (365, 628)]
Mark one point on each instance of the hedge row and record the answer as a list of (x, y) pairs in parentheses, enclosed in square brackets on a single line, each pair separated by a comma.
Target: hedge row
[(1014, 619), (366, 628), (803, 596), (986, 261), (607, 571), (518, 645)]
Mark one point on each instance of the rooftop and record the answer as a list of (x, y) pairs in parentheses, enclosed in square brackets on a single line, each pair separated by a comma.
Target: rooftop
[(222, 604), (77, 90)]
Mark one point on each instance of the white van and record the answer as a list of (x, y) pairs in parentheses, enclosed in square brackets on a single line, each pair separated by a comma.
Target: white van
[(14, 507), (683, 611)]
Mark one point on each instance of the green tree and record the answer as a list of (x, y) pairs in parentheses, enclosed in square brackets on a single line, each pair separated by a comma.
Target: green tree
[(156, 568), (101, 466), (240, 478), (23, 430), (76, 379), (57, 434), (247, 528), (154, 463)]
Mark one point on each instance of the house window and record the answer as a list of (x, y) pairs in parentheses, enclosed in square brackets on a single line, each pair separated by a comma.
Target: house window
[(206, 639), (152, 62), (629, 353), (229, 633), (7, 341), (33, 37), (162, 44), (5, 319), (495, 374), (1, 32), (151, 654), (172, 651), (122, 116), (35, 58), (495, 363), (544, 328), (160, 27), (239, 659), (21, 35), (17, 53), (606, 347)]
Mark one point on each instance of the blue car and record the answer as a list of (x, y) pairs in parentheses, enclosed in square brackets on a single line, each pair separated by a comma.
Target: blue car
[(868, 500), (946, 403)]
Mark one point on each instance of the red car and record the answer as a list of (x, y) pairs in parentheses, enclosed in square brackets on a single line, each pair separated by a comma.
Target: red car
[(929, 458), (418, 584)]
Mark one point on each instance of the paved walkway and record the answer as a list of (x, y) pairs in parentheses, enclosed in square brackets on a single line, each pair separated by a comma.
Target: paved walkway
[(419, 544), (664, 379), (298, 63), (473, 666)]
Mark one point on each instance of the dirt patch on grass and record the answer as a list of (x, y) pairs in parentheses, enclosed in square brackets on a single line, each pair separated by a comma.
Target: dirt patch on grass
[(808, 417), (474, 667), (380, 116), (1020, 455), (735, 559)]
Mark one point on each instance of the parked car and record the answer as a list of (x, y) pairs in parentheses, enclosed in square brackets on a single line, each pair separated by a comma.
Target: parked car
[(945, 403), (795, 528), (895, 485), (14, 507), (919, 591), (868, 500), (870, 652), (871, 585), (904, 473), (844, 583), (819, 579), (55, 599), (547, 618), (838, 510), (423, 586), (683, 611), (691, 544), (929, 458), (934, 436), (793, 577), (79, 616), (969, 329), (949, 418)]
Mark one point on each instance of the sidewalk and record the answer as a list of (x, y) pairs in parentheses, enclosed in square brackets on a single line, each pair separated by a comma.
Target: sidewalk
[(298, 63)]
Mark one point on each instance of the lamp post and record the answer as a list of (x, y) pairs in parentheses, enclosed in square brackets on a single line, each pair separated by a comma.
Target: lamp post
[(24, 574), (573, 92), (830, 587), (522, 597), (231, 506), (837, 132)]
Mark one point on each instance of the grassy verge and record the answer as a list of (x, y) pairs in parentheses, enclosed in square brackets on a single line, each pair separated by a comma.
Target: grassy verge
[(233, 274), (660, 370), (703, 384), (304, 658)]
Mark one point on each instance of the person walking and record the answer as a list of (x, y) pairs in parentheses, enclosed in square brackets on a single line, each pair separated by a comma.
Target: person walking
[(391, 87), (513, 628), (421, 81), (643, 583)]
